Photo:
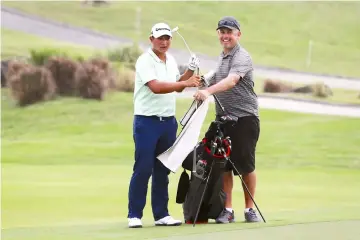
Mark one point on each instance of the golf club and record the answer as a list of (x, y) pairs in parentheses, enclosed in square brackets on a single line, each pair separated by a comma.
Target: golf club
[(176, 29)]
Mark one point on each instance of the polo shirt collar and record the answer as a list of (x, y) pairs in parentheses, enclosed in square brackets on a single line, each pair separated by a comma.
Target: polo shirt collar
[(151, 52), (237, 46)]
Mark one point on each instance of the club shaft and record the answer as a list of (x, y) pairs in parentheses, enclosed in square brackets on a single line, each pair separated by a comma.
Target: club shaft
[(216, 98), (246, 188), (219, 103), (184, 42)]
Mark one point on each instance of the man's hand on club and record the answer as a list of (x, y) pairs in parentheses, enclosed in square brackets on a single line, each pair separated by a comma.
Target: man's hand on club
[(201, 95), (193, 81), (193, 62), (202, 83)]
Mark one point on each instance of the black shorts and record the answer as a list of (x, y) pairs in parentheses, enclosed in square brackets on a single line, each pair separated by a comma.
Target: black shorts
[(244, 136)]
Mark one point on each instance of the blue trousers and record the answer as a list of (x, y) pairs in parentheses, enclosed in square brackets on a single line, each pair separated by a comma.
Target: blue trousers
[(152, 136)]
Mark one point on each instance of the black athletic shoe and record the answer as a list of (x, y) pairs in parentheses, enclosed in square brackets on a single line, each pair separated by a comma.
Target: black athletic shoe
[(226, 217), (251, 216)]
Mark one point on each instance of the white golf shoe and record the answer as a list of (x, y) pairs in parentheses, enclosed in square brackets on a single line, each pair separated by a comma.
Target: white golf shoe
[(167, 221), (135, 223)]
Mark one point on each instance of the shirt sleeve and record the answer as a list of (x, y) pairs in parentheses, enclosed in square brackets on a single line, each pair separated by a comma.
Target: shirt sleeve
[(145, 70), (241, 64)]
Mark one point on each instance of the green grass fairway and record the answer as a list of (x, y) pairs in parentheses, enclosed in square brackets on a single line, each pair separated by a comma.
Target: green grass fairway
[(275, 33), (323, 230), (66, 166)]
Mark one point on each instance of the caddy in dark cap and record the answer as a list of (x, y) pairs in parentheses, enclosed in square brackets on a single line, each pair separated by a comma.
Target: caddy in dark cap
[(232, 82)]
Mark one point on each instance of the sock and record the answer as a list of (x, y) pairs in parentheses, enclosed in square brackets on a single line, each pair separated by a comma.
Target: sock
[(247, 210), (229, 209)]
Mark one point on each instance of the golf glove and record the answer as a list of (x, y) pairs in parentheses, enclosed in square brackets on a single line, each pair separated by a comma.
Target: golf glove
[(193, 62)]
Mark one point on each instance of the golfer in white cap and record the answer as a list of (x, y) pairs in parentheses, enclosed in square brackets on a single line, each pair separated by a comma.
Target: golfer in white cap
[(155, 126)]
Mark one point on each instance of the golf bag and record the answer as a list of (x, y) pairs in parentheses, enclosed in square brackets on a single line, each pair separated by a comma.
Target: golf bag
[(202, 194)]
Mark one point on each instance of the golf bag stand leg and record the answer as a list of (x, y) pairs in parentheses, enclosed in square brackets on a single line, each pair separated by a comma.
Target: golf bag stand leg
[(214, 145), (246, 188), (203, 194)]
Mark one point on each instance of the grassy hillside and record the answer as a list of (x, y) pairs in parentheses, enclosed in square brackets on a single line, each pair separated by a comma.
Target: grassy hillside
[(276, 34), (14, 43)]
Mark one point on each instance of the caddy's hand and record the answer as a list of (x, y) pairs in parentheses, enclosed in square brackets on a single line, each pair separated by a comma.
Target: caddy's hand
[(193, 81), (201, 95), (193, 62)]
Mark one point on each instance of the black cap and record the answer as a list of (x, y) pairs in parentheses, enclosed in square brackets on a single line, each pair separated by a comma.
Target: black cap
[(228, 22)]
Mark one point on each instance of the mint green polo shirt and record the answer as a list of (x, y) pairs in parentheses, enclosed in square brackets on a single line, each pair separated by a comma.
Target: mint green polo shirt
[(149, 67)]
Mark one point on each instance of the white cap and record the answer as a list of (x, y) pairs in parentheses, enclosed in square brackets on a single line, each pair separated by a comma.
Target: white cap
[(160, 29)]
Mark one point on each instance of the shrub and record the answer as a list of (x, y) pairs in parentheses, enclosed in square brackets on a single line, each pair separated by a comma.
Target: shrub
[(128, 54), (91, 81), (321, 90), (304, 89), (107, 67), (129, 65), (126, 79), (273, 86), (4, 69), (32, 84), (14, 67), (41, 56), (63, 70)]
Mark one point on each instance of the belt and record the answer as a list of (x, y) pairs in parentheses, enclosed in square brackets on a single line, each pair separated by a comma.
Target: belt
[(160, 118), (218, 117)]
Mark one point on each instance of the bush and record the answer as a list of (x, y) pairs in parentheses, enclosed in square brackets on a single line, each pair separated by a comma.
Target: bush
[(126, 79), (107, 67), (40, 57), (119, 76), (273, 86), (304, 89), (321, 90), (4, 69), (91, 81), (14, 67), (128, 54), (130, 65), (63, 70), (31, 84)]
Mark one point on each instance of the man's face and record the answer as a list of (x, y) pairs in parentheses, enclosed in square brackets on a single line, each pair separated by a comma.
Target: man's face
[(161, 44), (228, 38)]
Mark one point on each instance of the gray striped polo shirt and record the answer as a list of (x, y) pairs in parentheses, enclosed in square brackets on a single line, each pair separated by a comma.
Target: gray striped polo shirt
[(241, 100)]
